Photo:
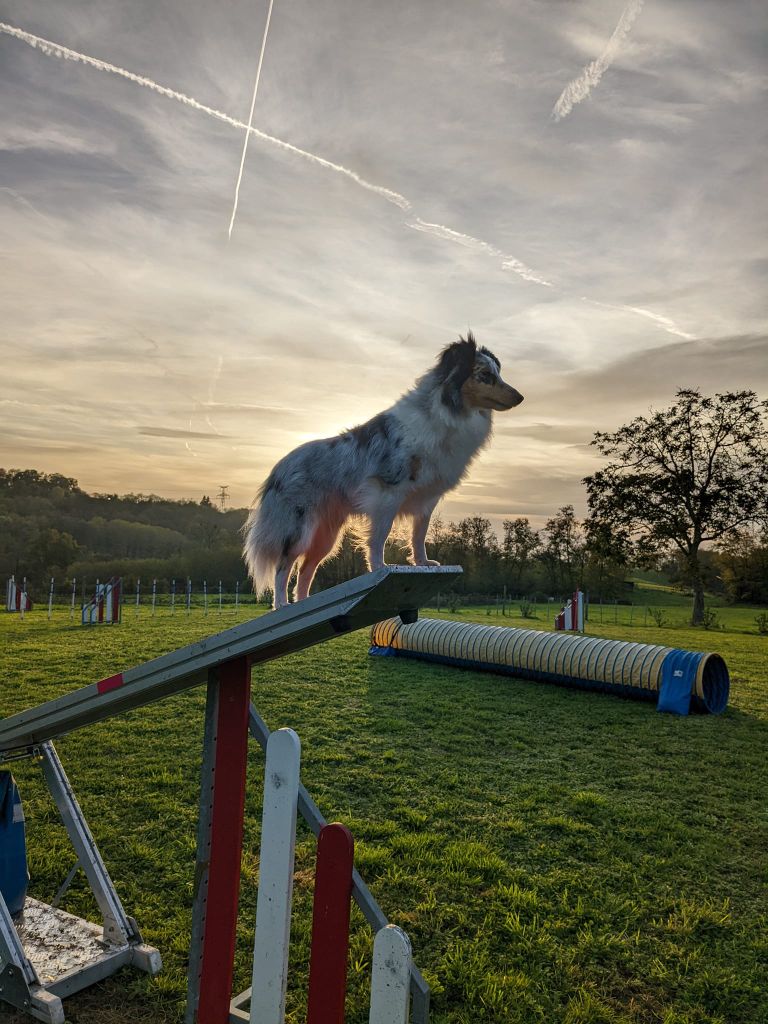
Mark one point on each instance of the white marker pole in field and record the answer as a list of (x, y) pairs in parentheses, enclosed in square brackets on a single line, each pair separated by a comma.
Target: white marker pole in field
[(237, 594), (173, 597), (219, 597), (390, 977), (273, 909), (154, 596), (138, 593), (189, 592), (74, 594), (23, 606), (50, 600), (205, 596)]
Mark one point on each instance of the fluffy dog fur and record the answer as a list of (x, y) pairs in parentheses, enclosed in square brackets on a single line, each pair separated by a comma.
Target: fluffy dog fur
[(398, 464)]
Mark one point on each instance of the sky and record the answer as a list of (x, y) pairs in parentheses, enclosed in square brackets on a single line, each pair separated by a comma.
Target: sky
[(582, 184)]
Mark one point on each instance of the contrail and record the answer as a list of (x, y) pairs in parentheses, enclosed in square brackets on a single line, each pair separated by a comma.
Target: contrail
[(51, 49), (664, 322), (507, 262), (581, 86), (250, 118)]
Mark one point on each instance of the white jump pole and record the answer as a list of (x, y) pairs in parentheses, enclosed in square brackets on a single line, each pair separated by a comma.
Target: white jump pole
[(237, 594), (273, 909), (219, 597), (154, 595), (205, 597), (189, 593), (390, 977), (50, 600), (23, 606), (72, 602), (138, 592), (173, 597)]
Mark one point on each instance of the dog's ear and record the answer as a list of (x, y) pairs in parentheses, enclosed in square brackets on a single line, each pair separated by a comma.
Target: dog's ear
[(454, 368)]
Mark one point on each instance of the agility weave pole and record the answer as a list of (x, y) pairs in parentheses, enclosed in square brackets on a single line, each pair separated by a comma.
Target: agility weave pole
[(572, 616), (106, 604), (224, 661), (16, 596), (679, 681)]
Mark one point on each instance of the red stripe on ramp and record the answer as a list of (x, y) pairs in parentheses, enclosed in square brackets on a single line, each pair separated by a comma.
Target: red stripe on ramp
[(112, 683)]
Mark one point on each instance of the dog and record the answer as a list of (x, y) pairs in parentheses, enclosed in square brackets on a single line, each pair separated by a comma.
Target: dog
[(397, 465)]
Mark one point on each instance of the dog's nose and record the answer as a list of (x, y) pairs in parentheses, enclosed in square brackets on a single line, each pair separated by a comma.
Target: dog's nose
[(513, 397)]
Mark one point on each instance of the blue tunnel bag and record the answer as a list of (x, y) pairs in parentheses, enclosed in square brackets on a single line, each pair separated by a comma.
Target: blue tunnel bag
[(14, 876)]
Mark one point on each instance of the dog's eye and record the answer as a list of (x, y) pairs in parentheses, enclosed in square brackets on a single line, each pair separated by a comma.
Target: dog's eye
[(485, 377)]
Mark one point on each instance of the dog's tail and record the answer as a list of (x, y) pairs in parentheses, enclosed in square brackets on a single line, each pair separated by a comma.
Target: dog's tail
[(273, 528)]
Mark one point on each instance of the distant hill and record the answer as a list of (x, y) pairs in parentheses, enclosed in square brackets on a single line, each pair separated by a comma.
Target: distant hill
[(50, 526)]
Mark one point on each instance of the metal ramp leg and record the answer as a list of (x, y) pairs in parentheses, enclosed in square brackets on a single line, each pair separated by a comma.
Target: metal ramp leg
[(47, 954), (117, 927)]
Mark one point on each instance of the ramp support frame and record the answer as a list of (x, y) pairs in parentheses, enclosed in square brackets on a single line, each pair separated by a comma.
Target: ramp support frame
[(36, 987)]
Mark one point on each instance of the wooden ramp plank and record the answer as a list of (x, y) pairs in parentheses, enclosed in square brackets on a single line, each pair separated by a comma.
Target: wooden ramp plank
[(392, 590)]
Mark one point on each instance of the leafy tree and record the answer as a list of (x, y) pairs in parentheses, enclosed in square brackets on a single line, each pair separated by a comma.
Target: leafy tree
[(564, 551), (742, 562), (607, 552), (52, 552), (519, 545), (694, 473)]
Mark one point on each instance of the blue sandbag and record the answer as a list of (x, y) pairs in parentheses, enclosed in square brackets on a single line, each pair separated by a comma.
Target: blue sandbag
[(14, 876)]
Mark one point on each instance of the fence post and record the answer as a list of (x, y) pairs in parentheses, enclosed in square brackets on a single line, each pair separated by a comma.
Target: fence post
[(390, 976), (220, 838), (330, 926), (273, 909)]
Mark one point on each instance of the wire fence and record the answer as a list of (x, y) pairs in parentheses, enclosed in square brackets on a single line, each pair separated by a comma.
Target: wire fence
[(144, 597)]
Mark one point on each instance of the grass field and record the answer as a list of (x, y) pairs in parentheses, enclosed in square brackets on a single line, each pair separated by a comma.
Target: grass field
[(556, 856)]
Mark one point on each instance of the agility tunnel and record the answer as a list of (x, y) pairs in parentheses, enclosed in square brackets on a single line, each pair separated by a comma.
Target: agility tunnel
[(678, 681)]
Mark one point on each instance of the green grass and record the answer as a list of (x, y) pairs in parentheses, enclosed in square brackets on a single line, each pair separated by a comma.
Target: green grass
[(557, 857)]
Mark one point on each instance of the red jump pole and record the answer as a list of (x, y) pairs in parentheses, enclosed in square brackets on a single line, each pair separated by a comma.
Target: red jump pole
[(226, 840), (330, 926)]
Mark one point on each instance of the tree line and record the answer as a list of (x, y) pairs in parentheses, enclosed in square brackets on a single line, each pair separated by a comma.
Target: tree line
[(683, 490)]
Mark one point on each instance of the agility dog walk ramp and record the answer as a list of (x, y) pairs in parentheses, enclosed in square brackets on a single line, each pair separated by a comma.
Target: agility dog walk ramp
[(35, 980), (393, 590)]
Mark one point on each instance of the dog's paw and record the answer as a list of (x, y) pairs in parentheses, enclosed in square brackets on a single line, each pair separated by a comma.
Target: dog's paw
[(429, 561)]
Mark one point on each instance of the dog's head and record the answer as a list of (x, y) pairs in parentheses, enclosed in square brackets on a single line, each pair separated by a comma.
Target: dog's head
[(470, 378)]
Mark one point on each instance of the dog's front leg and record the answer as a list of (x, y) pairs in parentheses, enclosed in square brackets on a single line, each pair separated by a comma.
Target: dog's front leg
[(419, 537), (381, 525)]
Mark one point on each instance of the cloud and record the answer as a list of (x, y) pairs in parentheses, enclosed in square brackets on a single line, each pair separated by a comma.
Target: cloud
[(580, 87), (627, 386)]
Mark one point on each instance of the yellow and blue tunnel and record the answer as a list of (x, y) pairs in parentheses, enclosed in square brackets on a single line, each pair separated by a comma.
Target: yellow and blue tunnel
[(678, 681)]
